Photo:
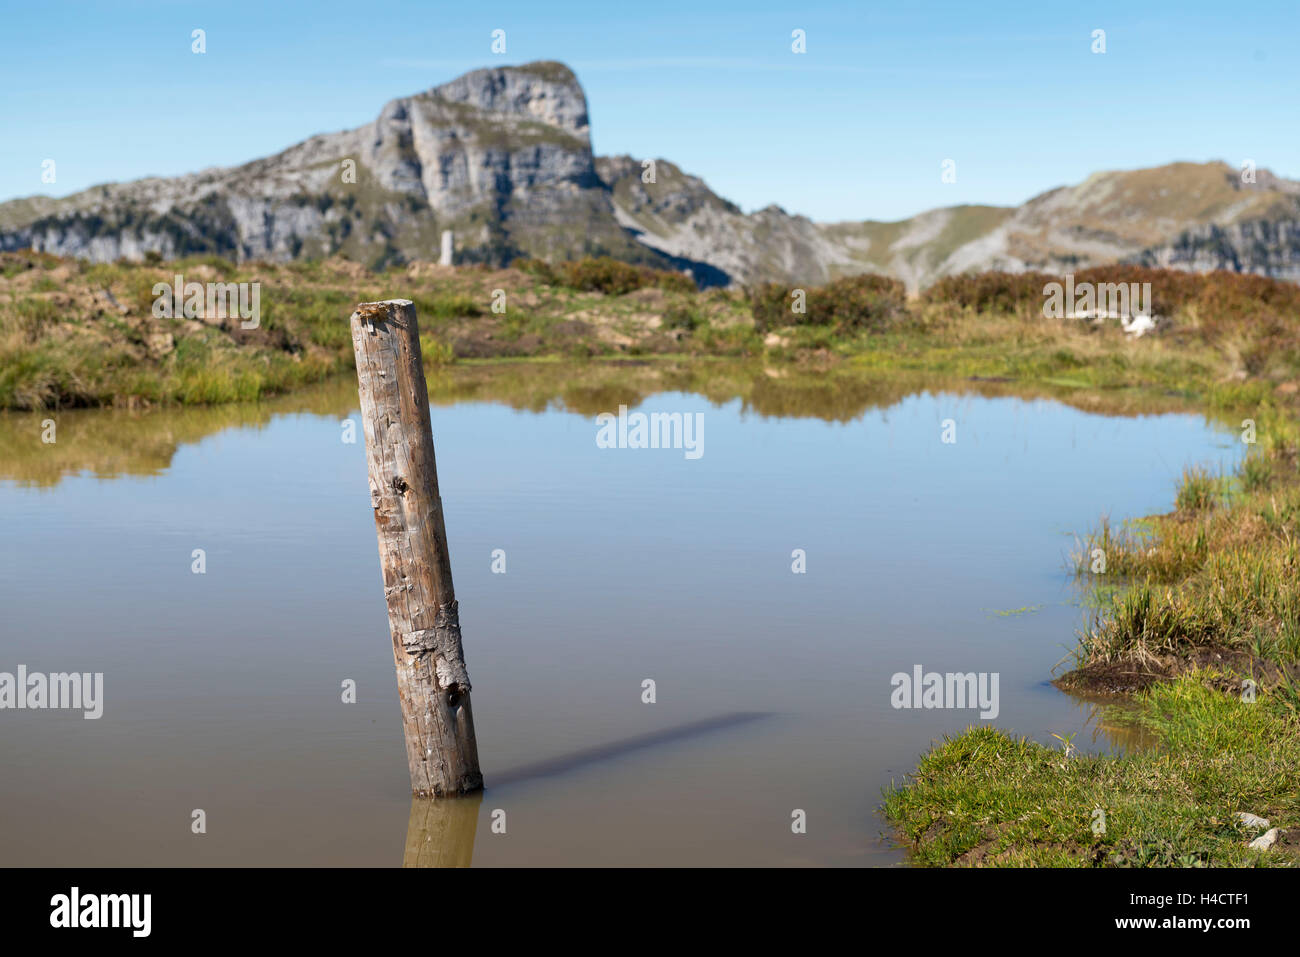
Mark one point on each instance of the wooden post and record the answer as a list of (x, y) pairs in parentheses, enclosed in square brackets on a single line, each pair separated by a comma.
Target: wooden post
[(422, 612)]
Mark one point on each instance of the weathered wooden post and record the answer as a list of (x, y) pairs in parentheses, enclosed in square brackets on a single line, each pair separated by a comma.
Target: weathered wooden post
[(422, 611)]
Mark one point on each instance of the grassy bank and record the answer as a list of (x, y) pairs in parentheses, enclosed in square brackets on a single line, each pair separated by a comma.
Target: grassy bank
[(985, 798)]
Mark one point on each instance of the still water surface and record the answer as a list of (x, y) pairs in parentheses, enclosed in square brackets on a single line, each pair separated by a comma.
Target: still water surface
[(223, 690)]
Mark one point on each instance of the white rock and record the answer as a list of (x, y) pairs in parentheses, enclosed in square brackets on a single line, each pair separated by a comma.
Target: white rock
[(1264, 841), (1138, 325), (1252, 820)]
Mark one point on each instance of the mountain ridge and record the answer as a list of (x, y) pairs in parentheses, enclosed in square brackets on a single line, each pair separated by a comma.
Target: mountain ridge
[(502, 157)]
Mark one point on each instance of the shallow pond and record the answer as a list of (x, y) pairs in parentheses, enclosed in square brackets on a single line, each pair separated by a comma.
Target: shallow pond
[(222, 691)]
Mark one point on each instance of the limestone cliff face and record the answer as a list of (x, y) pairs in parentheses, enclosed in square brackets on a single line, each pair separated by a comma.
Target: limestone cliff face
[(484, 138), (1265, 247), (503, 158)]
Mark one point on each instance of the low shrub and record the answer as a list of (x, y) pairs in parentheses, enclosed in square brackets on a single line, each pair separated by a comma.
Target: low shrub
[(853, 302), (992, 291), (613, 277)]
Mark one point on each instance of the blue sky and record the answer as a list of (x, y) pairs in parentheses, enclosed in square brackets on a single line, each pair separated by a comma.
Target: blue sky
[(856, 128)]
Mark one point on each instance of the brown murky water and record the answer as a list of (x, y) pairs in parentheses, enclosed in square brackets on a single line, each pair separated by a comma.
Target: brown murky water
[(222, 691)]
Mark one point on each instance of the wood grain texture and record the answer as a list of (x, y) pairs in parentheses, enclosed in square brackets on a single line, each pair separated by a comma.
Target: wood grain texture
[(423, 615)]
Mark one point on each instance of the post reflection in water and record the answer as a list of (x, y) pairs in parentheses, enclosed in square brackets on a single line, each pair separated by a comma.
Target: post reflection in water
[(441, 831)]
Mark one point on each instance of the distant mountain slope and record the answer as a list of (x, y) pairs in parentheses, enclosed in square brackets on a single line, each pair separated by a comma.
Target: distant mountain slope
[(503, 158), (680, 216), (1185, 215)]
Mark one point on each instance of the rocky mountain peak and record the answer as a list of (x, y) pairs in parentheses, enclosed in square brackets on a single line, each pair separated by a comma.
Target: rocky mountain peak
[(545, 91)]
